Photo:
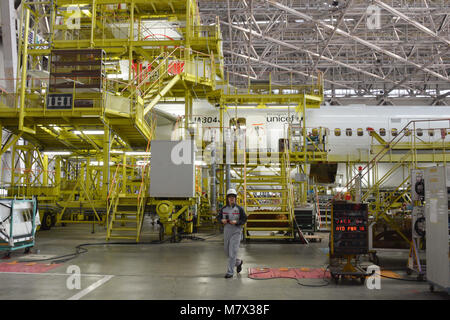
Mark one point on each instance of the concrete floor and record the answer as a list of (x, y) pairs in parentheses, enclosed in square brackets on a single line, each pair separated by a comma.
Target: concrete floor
[(189, 270)]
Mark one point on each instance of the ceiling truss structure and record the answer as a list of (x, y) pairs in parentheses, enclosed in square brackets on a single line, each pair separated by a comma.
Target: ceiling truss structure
[(402, 58)]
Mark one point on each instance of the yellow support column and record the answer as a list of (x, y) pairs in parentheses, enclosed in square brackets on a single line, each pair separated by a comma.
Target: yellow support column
[(58, 176), (94, 22), (27, 172), (23, 80), (81, 177), (106, 144), (45, 170), (88, 174), (187, 111), (221, 166), (124, 174)]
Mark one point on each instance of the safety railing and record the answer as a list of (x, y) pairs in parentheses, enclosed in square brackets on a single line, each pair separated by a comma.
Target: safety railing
[(7, 100), (388, 147), (81, 24), (266, 86), (112, 200), (170, 63), (376, 186)]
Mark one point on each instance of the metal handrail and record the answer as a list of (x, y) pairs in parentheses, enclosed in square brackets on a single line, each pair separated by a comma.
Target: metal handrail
[(389, 146)]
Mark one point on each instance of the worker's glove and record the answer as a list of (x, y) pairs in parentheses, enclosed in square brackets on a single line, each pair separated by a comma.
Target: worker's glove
[(233, 222)]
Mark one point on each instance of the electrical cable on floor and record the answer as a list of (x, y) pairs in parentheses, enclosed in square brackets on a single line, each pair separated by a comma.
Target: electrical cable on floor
[(320, 285), (401, 279), (298, 281), (80, 248)]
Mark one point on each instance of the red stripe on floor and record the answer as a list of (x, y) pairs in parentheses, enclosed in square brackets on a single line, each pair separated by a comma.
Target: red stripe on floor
[(26, 267)]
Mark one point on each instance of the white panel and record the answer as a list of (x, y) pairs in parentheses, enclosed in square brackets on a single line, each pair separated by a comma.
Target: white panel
[(170, 177)]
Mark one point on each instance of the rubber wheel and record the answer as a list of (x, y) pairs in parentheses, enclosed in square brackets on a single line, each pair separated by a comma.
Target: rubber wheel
[(431, 288), (46, 222), (420, 277), (177, 234), (408, 272), (161, 232), (335, 277), (53, 220), (27, 250), (362, 279)]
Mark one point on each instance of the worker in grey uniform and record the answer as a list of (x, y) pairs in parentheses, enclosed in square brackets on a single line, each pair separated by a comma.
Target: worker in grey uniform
[(233, 218)]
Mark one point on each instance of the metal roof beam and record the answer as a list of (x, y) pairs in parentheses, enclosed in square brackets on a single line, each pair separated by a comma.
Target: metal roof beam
[(355, 38), (411, 21)]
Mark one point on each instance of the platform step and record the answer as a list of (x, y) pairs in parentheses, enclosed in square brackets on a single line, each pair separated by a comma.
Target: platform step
[(269, 237), (123, 237), (126, 213), (269, 229), (126, 220), (124, 229)]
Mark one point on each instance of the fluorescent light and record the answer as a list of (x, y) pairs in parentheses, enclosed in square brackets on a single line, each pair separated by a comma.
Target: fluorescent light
[(54, 126), (90, 132), (57, 153), (116, 152), (138, 153), (99, 163), (142, 163), (200, 163)]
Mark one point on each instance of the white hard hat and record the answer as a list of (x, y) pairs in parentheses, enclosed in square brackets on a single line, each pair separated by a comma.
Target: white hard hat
[(231, 192)]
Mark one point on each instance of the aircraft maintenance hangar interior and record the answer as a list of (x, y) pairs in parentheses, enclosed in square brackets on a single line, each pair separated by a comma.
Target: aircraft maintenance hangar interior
[(186, 149)]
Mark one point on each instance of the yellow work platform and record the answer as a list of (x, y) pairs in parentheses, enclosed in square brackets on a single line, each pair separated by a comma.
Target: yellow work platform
[(63, 129)]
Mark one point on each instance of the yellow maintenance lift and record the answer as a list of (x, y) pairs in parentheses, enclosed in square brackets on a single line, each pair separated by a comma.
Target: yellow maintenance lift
[(264, 179), (81, 120)]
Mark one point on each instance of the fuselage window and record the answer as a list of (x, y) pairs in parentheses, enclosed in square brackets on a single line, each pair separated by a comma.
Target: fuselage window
[(431, 132), (419, 132), (382, 132), (394, 132), (360, 132), (348, 132), (337, 132)]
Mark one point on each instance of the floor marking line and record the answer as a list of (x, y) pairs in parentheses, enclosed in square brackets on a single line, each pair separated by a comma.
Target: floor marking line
[(91, 288)]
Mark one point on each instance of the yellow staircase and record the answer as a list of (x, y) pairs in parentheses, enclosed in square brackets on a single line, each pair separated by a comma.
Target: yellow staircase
[(269, 203), (125, 214)]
